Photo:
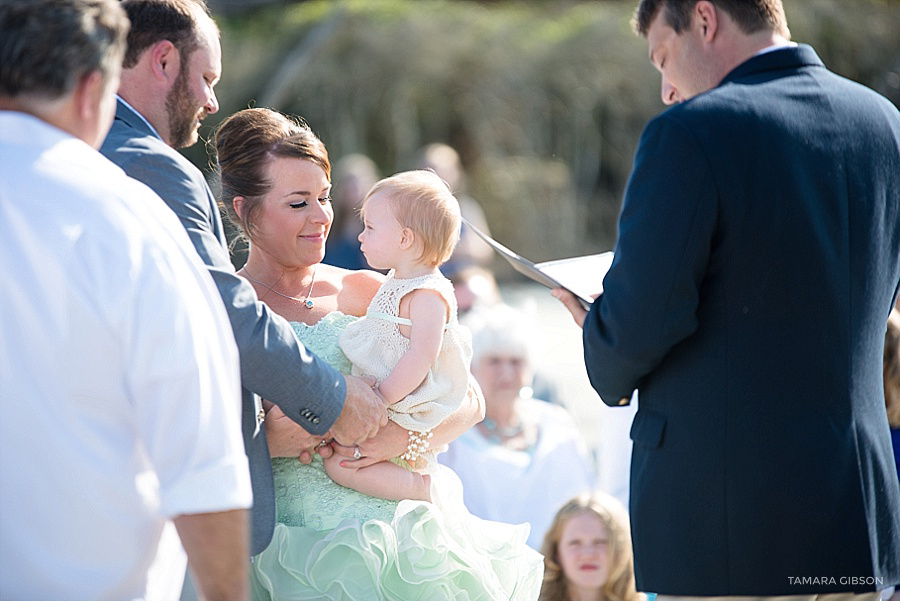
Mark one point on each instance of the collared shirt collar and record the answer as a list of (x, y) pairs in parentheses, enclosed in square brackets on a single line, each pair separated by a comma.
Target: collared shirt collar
[(777, 46)]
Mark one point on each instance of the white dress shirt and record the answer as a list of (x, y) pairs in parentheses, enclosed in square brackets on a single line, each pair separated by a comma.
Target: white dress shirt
[(119, 385), (614, 448)]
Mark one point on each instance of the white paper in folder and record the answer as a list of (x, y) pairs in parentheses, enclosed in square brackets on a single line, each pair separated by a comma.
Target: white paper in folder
[(582, 276)]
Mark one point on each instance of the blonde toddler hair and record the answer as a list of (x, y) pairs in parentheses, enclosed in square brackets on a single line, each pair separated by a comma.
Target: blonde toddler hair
[(422, 202)]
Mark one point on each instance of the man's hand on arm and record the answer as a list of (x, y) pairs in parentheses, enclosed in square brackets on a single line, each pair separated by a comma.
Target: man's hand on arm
[(217, 546), (363, 414)]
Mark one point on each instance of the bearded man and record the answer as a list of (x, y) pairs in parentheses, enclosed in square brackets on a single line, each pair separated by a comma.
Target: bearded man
[(171, 66)]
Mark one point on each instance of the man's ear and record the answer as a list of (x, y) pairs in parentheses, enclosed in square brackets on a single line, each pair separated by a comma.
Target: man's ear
[(707, 19), (89, 95), (86, 107), (165, 60)]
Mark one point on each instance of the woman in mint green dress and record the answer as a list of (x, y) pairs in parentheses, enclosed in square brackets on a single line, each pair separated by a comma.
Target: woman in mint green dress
[(332, 542)]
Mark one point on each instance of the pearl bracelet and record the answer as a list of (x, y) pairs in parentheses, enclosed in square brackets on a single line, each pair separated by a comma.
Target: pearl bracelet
[(418, 445)]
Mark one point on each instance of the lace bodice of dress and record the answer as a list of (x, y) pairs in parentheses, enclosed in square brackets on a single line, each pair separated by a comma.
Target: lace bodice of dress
[(375, 344), (322, 338), (304, 494)]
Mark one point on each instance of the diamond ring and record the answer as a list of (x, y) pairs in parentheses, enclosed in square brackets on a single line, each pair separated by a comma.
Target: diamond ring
[(356, 453)]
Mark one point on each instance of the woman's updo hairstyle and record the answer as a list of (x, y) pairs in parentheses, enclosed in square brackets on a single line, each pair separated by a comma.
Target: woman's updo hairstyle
[(245, 143)]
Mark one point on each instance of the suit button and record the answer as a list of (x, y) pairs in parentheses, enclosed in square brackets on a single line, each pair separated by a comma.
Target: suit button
[(315, 420)]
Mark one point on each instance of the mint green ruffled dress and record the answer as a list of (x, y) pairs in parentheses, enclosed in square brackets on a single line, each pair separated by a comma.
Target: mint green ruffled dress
[(335, 543)]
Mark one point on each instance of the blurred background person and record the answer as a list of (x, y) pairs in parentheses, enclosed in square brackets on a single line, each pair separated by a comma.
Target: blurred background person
[(587, 552), (353, 176), (527, 456), (471, 249), (476, 289)]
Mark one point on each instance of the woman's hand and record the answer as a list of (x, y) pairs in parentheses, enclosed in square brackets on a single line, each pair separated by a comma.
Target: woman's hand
[(390, 441)]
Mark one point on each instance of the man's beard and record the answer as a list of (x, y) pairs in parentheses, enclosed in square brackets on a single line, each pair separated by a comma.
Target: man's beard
[(182, 114)]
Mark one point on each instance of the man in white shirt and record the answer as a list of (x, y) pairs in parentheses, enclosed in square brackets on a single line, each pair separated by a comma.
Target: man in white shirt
[(120, 394)]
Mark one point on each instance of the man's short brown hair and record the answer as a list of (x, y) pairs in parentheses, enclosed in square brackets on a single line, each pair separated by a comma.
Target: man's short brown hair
[(153, 21), (750, 15)]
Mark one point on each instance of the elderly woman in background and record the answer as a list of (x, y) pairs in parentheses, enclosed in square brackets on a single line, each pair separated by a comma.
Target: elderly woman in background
[(587, 552), (527, 457)]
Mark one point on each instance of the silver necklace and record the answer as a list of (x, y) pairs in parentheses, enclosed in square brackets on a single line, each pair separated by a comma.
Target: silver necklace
[(306, 301), (498, 432)]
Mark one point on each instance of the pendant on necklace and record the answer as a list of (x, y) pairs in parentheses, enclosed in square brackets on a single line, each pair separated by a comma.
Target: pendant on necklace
[(309, 304)]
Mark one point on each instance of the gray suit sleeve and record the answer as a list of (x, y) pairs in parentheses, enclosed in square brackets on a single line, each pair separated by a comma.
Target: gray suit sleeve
[(274, 364)]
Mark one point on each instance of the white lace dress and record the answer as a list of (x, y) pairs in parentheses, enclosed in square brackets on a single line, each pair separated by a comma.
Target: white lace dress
[(374, 345)]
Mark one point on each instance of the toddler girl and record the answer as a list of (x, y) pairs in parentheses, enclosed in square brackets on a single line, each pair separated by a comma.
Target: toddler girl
[(410, 339)]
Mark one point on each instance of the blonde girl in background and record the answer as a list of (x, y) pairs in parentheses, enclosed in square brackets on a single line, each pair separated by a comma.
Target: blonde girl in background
[(587, 552)]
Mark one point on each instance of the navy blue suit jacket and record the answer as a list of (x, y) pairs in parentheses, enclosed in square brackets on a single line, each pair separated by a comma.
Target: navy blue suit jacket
[(757, 261), (274, 365)]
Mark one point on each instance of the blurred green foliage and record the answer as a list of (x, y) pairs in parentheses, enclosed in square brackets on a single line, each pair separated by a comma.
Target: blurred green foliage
[(545, 101)]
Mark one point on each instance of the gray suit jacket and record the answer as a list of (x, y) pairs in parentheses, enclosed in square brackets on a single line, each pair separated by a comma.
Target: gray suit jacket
[(274, 365)]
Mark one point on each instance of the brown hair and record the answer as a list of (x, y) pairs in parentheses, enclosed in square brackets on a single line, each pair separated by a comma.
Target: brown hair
[(423, 202), (619, 585), (749, 15), (246, 142), (892, 369), (152, 21), (47, 46)]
